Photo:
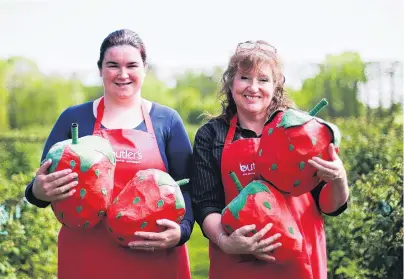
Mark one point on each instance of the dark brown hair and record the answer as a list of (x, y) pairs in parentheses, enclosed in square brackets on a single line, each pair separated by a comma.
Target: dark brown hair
[(119, 38), (252, 59)]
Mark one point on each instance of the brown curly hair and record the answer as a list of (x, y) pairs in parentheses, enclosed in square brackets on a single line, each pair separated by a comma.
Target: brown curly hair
[(252, 59)]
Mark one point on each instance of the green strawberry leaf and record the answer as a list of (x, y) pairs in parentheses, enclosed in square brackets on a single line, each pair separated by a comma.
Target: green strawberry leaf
[(334, 130), (179, 199), (90, 149), (55, 153), (293, 117), (179, 202), (165, 179), (236, 205)]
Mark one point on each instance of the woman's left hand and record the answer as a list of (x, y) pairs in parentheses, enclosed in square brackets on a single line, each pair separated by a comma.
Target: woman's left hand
[(330, 171), (151, 241)]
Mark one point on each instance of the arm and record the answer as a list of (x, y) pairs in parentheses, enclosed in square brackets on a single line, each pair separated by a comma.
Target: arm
[(58, 133), (207, 192), (333, 196), (179, 156)]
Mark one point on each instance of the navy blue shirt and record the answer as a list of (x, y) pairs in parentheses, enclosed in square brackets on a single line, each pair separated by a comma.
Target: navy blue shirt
[(174, 145)]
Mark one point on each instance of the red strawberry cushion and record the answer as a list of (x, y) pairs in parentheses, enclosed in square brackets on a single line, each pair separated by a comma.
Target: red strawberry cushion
[(93, 159), (259, 203), (289, 140), (151, 195)]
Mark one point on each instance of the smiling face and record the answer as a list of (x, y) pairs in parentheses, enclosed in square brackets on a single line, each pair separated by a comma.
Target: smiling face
[(253, 89), (122, 72)]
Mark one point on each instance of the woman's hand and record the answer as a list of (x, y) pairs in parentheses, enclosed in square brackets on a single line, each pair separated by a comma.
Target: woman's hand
[(330, 171), (55, 186), (336, 192), (239, 243), (157, 241)]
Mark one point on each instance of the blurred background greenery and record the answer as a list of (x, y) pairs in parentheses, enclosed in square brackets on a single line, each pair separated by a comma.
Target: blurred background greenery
[(364, 242)]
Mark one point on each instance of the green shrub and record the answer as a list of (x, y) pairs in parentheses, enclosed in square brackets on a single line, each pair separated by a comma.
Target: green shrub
[(363, 242), (366, 240)]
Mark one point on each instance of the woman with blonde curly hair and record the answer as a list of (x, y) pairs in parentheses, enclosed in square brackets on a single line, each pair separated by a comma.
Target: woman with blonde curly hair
[(253, 88)]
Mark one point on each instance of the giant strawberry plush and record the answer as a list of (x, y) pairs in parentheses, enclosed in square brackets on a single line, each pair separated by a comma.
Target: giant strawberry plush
[(151, 195), (289, 140), (259, 203), (92, 158)]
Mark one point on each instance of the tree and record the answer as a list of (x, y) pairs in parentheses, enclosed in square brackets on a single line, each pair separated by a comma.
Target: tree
[(337, 80)]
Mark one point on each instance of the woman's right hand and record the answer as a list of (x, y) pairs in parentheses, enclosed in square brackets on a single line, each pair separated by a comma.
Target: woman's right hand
[(55, 186), (239, 243)]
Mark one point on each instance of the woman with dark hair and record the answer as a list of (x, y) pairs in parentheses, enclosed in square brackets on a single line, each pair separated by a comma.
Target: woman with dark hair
[(137, 125), (252, 89)]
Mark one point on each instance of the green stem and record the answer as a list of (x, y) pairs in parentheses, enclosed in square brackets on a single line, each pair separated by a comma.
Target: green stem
[(182, 182), (236, 181), (75, 133), (323, 103)]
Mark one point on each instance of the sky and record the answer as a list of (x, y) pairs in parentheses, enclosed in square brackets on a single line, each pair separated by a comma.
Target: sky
[(65, 36)]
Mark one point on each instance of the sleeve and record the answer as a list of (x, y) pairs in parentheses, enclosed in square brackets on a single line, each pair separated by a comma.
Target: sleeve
[(207, 192), (316, 196), (179, 156), (58, 133)]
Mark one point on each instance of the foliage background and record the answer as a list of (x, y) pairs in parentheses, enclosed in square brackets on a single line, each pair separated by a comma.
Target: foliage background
[(365, 242)]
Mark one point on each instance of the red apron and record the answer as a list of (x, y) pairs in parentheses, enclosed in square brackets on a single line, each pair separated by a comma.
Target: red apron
[(239, 157), (87, 254)]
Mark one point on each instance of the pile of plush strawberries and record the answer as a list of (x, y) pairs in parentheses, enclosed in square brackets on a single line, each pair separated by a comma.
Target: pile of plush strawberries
[(290, 138), (151, 194)]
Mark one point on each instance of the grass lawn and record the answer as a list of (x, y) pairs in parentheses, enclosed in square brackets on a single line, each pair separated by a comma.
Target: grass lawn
[(198, 254)]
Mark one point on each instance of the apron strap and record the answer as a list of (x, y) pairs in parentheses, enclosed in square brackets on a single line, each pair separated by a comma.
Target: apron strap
[(232, 130), (147, 119), (100, 115)]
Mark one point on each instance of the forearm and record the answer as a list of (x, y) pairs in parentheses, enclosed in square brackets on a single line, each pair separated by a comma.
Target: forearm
[(187, 224), (212, 227), (334, 195), (29, 195)]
